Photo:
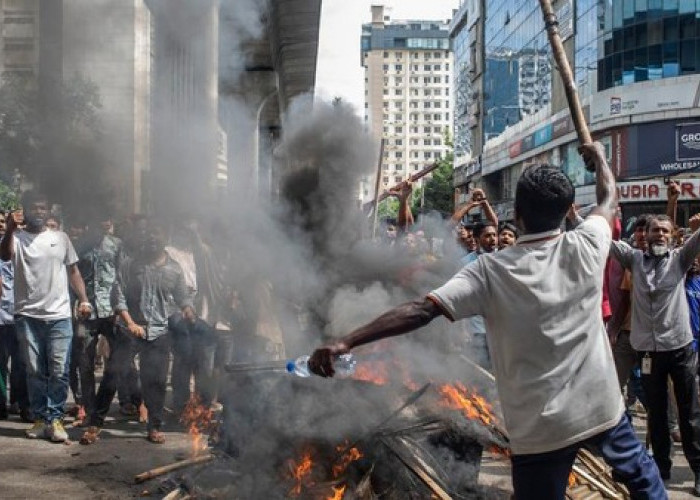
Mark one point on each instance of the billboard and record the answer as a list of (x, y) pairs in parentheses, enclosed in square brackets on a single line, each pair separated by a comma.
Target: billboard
[(663, 148), (688, 141)]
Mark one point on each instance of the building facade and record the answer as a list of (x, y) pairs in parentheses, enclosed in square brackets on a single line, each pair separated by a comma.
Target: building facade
[(637, 69), (408, 68)]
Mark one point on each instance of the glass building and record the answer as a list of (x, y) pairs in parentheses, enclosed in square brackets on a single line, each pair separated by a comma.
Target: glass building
[(647, 40)]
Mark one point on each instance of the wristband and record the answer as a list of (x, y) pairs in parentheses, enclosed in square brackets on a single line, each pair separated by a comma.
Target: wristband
[(85, 304)]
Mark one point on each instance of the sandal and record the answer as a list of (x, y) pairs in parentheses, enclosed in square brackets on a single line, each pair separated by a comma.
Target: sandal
[(91, 435), (155, 437)]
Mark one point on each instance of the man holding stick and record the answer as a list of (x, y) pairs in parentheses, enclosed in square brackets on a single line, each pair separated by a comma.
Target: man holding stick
[(541, 303)]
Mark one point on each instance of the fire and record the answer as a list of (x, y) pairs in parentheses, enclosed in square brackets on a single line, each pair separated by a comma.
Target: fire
[(338, 493), (300, 471), (199, 420), (470, 403), (376, 373), (347, 457), (572, 479)]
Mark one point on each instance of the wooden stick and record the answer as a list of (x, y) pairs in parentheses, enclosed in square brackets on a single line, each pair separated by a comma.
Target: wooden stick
[(552, 25), (377, 183), (413, 178), (159, 471), (596, 482)]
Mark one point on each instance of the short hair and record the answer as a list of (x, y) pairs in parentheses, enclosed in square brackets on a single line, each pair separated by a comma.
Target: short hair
[(510, 227), (543, 195), (641, 221), (31, 196), (480, 227), (657, 218)]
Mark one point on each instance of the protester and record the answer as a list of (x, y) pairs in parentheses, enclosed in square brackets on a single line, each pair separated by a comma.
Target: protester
[(148, 286), (507, 236), (9, 346), (662, 336), (99, 261), (44, 262), (541, 300)]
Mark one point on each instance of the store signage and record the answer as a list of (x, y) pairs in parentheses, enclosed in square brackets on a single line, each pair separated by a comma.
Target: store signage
[(562, 126), (687, 141), (645, 97), (655, 190)]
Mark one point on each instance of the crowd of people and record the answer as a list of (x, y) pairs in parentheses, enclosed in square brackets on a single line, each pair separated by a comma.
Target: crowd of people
[(154, 292), (72, 300)]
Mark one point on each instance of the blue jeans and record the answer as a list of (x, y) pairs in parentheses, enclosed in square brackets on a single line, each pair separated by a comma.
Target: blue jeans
[(544, 476), (45, 346)]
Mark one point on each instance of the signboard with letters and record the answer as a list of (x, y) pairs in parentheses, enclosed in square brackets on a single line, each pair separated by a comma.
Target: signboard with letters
[(688, 141)]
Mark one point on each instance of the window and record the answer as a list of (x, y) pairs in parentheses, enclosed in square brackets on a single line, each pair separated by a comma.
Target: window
[(426, 92), (427, 68), (427, 142), (426, 130), (437, 68), (397, 55), (398, 92), (426, 104), (398, 117), (414, 142), (415, 67), (399, 80), (385, 92), (426, 80), (385, 117), (436, 154), (399, 155), (385, 180), (437, 104), (386, 80), (399, 67), (385, 167), (385, 67), (414, 154), (437, 79), (386, 54), (437, 142), (414, 130), (386, 130), (437, 130), (415, 167), (437, 92), (399, 130), (386, 154), (427, 155), (447, 66), (385, 103), (437, 118), (413, 104), (426, 55), (399, 142), (398, 179), (414, 55)]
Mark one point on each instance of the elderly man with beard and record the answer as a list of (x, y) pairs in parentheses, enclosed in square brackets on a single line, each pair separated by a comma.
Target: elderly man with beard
[(662, 336), (147, 288)]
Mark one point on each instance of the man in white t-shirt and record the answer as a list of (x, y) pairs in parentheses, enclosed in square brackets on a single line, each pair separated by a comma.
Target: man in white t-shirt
[(45, 262), (549, 349)]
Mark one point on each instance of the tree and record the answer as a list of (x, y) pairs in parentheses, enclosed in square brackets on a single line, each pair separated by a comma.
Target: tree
[(438, 191), (8, 198)]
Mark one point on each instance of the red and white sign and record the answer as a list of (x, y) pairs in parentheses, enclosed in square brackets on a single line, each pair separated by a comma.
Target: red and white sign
[(655, 190)]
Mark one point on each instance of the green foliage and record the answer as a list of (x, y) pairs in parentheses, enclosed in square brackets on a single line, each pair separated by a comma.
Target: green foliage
[(8, 198), (388, 208), (438, 190)]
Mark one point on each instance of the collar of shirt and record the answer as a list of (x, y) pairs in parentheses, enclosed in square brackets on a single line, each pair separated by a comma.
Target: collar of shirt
[(545, 235), (647, 255)]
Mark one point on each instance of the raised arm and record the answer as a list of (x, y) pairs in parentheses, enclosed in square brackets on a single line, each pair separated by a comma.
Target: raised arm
[(402, 319), (489, 213), (673, 192), (605, 189), (691, 248), (7, 244), (622, 252)]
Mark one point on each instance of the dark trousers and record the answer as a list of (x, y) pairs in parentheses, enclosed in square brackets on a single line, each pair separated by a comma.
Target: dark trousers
[(626, 363), (544, 476), (153, 363), (681, 366), (194, 351), (82, 369), (10, 353)]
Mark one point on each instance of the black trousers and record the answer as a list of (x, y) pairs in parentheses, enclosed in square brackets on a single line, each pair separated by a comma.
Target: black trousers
[(194, 351), (681, 366), (10, 353), (82, 361), (153, 363)]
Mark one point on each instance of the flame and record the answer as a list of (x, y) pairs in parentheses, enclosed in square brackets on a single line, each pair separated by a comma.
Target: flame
[(376, 373), (300, 471), (572, 479), (199, 420), (470, 403), (348, 456), (338, 493)]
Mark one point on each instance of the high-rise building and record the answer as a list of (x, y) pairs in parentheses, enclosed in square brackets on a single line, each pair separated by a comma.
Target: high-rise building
[(637, 70), (408, 68), (19, 49)]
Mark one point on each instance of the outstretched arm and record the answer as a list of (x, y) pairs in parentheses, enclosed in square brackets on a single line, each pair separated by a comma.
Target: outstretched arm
[(402, 319), (674, 191)]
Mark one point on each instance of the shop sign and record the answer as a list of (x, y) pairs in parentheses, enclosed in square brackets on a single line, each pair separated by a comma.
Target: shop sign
[(687, 141), (655, 190), (543, 135), (562, 126)]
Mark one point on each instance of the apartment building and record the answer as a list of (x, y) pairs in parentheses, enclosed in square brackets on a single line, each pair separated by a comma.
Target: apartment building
[(408, 68)]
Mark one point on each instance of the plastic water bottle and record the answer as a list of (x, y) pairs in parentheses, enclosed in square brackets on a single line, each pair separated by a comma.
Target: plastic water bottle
[(344, 366)]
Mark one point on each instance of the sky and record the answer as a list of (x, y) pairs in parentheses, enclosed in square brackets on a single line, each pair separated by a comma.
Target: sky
[(339, 73)]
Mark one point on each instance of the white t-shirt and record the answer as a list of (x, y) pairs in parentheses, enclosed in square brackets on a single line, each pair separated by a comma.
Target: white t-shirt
[(541, 301), (41, 280)]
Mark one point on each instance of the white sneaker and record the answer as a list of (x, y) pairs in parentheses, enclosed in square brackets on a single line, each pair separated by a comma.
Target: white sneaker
[(56, 432), (37, 431)]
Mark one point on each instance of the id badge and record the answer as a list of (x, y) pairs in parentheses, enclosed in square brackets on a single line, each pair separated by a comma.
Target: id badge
[(646, 365)]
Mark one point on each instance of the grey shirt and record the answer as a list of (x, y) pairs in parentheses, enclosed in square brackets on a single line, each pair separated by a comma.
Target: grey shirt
[(659, 306), (150, 293)]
